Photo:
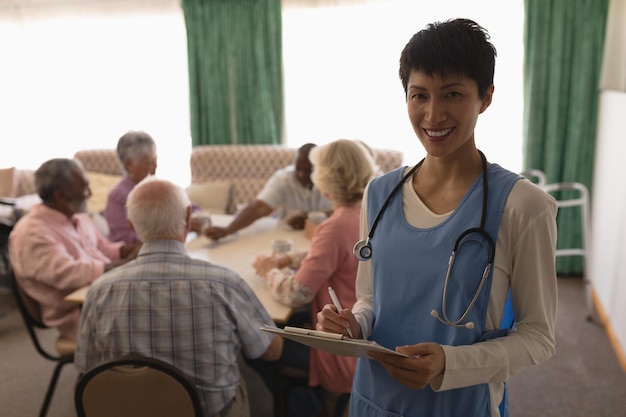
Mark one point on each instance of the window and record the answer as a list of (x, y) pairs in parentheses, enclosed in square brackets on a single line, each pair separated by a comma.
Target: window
[(341, 73), (78, 79)]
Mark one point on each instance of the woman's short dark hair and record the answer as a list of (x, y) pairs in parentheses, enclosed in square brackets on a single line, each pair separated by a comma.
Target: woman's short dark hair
[(456, 47)]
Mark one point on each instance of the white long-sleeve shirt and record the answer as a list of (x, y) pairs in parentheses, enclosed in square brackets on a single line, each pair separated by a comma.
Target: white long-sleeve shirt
[(525, 254)]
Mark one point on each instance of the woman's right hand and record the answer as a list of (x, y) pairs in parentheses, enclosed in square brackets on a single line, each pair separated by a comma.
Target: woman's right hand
[(329, 320)]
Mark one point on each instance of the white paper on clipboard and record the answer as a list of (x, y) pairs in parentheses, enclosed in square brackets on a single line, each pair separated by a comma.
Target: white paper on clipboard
[(330, 342)]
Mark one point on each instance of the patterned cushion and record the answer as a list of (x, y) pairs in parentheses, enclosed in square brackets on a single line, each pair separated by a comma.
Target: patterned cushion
[(211, 196), (247, 167), (244, 191), (100, 186), (104, 161), (104, 170)]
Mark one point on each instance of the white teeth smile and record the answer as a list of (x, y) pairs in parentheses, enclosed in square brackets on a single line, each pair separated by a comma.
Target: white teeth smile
[(438, 133)]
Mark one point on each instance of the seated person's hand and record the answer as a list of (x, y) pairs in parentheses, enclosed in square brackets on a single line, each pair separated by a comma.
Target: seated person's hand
[(296, 220), (198, 224), (214, 232), (130, 251), (264, 263)]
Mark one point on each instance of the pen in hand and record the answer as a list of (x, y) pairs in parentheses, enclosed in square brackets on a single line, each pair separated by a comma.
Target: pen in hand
[(337, 304)]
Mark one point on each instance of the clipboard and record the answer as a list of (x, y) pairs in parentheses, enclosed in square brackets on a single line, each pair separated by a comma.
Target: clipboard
[(331, 342)]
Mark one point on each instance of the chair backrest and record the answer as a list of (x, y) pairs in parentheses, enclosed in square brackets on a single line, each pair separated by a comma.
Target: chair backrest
[(136, 386), (31, 314), (29, 308)]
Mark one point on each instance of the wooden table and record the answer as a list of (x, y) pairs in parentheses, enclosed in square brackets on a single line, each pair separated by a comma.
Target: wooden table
[(237, 252)]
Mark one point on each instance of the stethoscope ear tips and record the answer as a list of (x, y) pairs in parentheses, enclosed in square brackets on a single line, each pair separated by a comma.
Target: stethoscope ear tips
[(362, 250)]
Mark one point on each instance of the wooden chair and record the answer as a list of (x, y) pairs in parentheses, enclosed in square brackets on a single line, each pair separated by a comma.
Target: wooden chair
[(136, 386), (31, 314)]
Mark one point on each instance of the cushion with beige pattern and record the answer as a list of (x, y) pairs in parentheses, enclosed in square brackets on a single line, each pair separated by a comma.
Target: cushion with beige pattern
[(104, 161), (100, 185), (211, 196), (247, 167)]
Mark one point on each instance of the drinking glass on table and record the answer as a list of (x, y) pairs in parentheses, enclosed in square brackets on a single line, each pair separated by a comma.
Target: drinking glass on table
[(280, 246), (279, 258), (200, 221)]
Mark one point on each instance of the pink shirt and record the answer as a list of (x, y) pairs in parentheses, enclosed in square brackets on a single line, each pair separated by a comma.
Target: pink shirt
[(329, 262), (51, 257)]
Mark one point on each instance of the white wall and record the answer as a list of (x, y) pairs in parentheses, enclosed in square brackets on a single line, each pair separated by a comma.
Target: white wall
[(614, 59), (608, 219), (608, 223)]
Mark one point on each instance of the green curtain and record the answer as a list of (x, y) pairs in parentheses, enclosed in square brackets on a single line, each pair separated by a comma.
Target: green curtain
[(563, 57), (235, 71)]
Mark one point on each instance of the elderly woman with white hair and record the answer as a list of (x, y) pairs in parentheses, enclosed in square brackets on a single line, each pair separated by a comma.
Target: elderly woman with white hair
[(136, 151), (342, 169)]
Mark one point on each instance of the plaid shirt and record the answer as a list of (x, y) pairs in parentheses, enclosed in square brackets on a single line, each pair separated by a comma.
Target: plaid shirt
[(188, 312)]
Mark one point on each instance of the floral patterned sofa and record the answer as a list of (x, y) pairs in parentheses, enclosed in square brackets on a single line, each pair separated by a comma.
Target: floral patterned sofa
[(232, 175), (223, 177)]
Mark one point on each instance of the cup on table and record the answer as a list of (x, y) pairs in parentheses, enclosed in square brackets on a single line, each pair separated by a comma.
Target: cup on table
[(202, 221), (313, 219), (281, 246), (316, 217)]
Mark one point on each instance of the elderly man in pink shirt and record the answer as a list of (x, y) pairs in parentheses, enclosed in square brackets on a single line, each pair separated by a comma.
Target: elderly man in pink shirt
[(55, 248)]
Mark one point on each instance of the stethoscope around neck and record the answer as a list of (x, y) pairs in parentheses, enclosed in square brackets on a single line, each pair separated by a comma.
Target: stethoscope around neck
[(363, 248)]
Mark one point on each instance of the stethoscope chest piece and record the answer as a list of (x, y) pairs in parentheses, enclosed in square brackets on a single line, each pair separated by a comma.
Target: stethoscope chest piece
[(362, 250)]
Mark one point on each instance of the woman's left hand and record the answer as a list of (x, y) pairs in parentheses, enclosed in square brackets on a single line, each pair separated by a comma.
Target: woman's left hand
[(425, 362), (264, 263)]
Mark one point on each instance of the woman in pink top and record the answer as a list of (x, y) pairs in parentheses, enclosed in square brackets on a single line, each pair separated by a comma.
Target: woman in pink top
[(341, 171)]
